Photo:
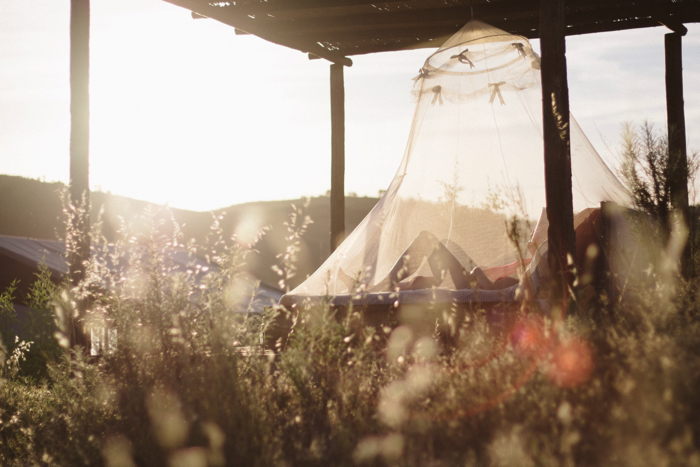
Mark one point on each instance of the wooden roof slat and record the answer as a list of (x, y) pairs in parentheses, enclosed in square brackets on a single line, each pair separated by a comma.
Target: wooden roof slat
[(429, 36), (296, 5), (414, 17), (249, 25), (503, 8), (333, 29), (526, 28), (419, 20), (288, 6), (391, 34)]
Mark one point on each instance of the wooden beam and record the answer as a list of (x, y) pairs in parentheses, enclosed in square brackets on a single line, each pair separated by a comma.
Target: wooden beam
[(337, 156), (78, 238), (422, 22), (260, 27), (676, 132), (350, 43), (557, 154), (505, 7), (300, 5), (387, 34), (417, 18), (404, 19), (366, 44), (674, 24), (284, 6), (337, 28)]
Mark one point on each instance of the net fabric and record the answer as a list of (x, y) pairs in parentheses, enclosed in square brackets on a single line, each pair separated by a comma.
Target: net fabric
[(474, 159)]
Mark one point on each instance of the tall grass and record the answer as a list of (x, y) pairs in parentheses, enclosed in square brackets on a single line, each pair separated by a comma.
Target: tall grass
[(190, 385)]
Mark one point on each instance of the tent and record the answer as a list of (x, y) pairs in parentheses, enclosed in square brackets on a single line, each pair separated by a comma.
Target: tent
[(471, 180)]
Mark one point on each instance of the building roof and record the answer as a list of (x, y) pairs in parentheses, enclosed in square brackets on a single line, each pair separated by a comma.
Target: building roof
[(336, 29), (16, 252)]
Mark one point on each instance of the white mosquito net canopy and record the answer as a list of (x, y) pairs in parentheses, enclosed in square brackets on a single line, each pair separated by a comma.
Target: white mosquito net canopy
[(474, 159)]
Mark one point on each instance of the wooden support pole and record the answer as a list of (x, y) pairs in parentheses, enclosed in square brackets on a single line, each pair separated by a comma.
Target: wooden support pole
[(557, 153), (337, 156), (676, 134), (78, 240)]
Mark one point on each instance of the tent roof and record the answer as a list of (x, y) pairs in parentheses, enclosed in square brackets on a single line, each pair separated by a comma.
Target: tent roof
[(335, 29)]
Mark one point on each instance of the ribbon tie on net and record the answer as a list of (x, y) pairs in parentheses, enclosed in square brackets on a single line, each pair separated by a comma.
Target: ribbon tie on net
[(437, 95), (422, 73), (496, 90), (519, 47), (462, 57)]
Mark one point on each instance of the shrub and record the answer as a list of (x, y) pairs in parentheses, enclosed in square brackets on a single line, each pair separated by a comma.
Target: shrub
[(649, 172)]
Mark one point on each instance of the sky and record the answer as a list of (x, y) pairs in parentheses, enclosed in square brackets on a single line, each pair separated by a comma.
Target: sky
[(185, 112)]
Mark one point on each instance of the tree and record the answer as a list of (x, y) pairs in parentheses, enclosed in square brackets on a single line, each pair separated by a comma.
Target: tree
[(649, 172)]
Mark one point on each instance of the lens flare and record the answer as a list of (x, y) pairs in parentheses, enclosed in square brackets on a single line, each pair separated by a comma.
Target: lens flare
[(571, 363), (527, 337)]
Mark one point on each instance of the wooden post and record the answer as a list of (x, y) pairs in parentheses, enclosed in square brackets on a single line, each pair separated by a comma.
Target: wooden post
[(337, 156), (606, 280), (557, 153), (676, 133), (78, 239)]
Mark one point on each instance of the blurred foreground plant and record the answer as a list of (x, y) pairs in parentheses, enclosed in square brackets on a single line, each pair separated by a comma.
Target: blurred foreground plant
[(189, 383)]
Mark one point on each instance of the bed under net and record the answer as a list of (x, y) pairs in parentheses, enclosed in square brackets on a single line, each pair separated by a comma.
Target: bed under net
[(464, 221)]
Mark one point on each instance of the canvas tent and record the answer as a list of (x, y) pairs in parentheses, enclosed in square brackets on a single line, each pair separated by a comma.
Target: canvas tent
[(473, 160)]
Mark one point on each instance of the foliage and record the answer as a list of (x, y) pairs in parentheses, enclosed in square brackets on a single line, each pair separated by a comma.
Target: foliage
[(39, 325), (190, 384), (649, 171), (296, 227), (7, 318)]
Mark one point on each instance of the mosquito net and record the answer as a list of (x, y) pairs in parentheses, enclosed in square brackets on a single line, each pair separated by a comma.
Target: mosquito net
[(474, 159)]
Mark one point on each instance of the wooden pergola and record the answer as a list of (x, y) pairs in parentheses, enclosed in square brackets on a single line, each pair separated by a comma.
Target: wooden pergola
[(337, 29)]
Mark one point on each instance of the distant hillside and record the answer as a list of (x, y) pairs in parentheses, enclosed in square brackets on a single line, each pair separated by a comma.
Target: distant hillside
[(30, 208)]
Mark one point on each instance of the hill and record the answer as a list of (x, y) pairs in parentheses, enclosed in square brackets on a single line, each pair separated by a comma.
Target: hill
[(31, 208)]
